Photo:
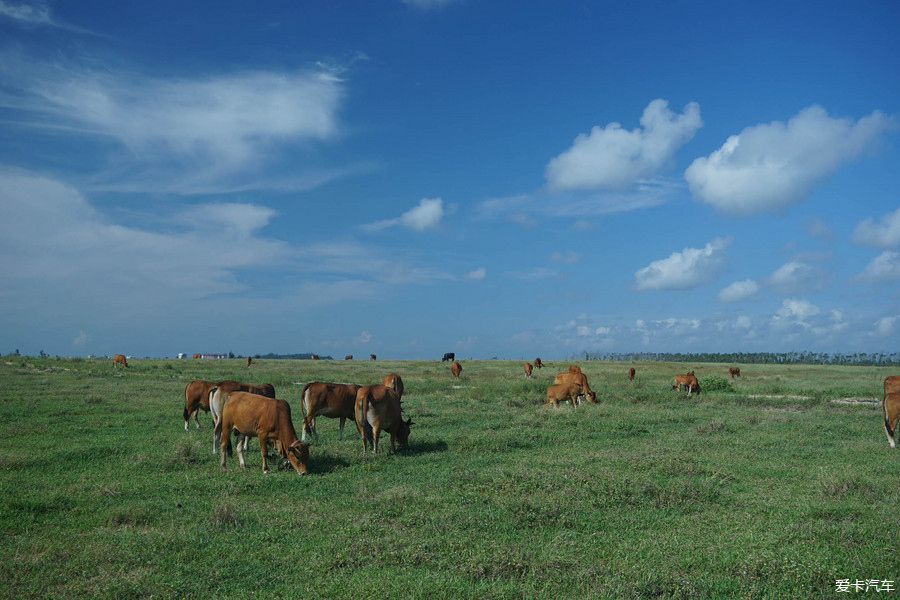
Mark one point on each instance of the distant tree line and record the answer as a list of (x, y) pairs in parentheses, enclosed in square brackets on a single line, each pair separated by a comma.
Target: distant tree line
[(871, 359), (305, 356)]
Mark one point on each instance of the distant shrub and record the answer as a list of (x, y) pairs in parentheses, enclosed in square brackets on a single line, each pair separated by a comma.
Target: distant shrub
[(715, 383)]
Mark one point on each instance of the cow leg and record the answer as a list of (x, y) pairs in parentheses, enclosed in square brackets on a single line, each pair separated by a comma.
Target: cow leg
[(196, 418), (341, 428), (375, 433), (264, 449), (240, 452), (890, 426), (222, 444)]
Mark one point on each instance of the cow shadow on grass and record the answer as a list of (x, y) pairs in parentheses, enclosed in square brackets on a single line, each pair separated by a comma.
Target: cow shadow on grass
[(417, 448)]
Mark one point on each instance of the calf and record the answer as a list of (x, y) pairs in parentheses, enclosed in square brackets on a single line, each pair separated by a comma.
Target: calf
[(449, 356), (890, 408), (269, 419), (689, 381), (456, 368), (249, 360), (372, 357), (196, 397), (579, 378), (378, 409), (333, 400), (219, 393), (574, 369), (734, 372), (348, 357), (119, 359), (314, 357), (537, 363), (528, 369), (560, 392), (394, 382), (631, 374)]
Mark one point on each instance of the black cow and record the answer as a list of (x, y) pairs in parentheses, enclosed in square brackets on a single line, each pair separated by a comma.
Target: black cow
[(449, 356)]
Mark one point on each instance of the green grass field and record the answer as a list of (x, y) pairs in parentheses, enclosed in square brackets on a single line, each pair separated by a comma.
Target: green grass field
[(765, 487)]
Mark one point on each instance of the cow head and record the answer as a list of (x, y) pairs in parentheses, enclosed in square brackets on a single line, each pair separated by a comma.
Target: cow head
[(298, 454), (403, 431), (592, 397)]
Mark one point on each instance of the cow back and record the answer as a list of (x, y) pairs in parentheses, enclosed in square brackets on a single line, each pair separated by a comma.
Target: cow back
[(892, 384)]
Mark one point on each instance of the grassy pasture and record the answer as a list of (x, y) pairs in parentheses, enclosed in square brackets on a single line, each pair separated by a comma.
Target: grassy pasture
[(764, 487)]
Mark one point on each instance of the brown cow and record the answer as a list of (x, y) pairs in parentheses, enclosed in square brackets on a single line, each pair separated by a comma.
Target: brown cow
[(537, 363), (892, 384), (372, 357), (198, 356), (269, 419), (249, 360), (689, 381), (560, 392), (348, 357), (119, 359), (395, 382), (574, 369), (314, 357), (631, 374), (456, 368), (378, 409), (734, 372), (196, 397), (579, 378), (333, 400), (528, 369), (219, 393), (890, 409)]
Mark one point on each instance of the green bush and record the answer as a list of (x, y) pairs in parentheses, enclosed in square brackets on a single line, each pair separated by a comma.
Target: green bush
[(715, 383)]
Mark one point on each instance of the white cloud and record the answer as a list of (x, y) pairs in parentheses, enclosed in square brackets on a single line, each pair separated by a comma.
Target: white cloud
[(364, 338), (884, 234), (884, 268), (818, 229), (795, 311), (186, 132), (81, 339), (476, 275), (684, 270), (428, 4), (772, 166), (885, 326), (425, 215), (35, 13), (739, 290), (797, 277), (612, 157)]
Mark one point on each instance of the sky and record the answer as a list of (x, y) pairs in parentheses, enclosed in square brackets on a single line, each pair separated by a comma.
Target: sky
[(414, 177)]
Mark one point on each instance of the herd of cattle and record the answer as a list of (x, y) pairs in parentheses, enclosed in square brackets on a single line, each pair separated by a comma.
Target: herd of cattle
[(254, 411)]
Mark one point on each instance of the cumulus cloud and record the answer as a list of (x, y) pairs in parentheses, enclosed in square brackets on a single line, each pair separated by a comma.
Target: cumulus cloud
[(613, 158), (363, 338), (569, 258), (426, 215), (772, 166), (684, 270), (884, 268), (885, 326), (739, 290), (796, 277), (795, 311), (884, 234)]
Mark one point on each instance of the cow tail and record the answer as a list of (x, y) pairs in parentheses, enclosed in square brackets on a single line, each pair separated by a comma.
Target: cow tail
[(887, 421)]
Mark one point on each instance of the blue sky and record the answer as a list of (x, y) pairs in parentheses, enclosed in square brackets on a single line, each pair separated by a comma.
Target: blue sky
[(495, 179)]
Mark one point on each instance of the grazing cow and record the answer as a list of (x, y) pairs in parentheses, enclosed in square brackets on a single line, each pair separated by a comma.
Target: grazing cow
[(892, 384), (348, 357), (734, 372), (456, 368), (631, 374), (395, 382), (689, 381), (528, 369), (579, 378), (198, 356), (378, 409), (574, 369), (249, 360), (314, 357), (537, 363), (196, 397), (449, 356), (560, 392), (269, 419), (119, 359), (333, 400), (372, 357), (219, 393), (890, 408)]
